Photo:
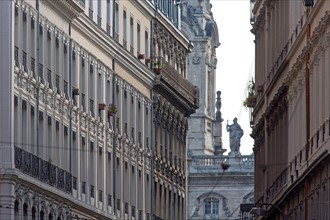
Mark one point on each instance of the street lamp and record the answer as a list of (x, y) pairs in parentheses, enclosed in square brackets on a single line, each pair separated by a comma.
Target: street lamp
[(258, 211)]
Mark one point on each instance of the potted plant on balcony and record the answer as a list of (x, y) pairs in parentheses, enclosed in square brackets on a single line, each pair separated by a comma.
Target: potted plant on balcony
[(157, 66), (250, 100), (140, 56), (112, 110), (102, 106)]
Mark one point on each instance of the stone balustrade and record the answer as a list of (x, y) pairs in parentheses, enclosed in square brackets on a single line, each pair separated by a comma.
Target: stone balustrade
[(213, 163)]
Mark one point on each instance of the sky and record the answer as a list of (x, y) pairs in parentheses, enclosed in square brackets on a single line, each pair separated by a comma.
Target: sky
[(235, 66)]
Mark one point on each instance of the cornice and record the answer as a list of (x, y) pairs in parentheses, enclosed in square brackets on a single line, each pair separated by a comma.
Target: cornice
[(67, 8), (260, 19)]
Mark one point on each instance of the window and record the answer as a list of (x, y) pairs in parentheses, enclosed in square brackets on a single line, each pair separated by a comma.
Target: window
[(116, 21), (146, 44), (99, 16), (108, 16), (138, 31), (90, 14), (132, 34), (124, 29), (211, 206)]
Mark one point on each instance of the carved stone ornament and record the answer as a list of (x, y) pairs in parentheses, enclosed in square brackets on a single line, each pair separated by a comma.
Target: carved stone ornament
[(196, 59)]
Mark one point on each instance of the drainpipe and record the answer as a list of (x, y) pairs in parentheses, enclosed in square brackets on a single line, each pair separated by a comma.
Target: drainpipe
[(307, 89), (152, 133), (152, 153), (306, 185)]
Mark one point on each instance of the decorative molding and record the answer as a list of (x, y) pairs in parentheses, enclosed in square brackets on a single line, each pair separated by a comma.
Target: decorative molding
[(295, 79), (196, 59)]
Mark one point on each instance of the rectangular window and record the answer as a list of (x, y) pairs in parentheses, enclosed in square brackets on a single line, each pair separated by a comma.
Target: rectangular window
[(91, 81), (99, 17), (175, 15), (92, 191), (108, 16), (138, 32), (90, 14), (116, 21), (83, 187), (124, 29), (131, 35), (211, 206), (109, 200), (146, 44)]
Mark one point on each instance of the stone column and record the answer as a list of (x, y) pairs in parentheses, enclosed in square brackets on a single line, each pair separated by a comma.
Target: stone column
[(6, 86)]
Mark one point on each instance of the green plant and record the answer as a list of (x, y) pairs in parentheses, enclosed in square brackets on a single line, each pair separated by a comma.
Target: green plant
[(157, 64), (250, 100)]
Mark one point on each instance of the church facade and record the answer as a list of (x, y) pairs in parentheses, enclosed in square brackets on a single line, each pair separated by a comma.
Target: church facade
[(217, 183)]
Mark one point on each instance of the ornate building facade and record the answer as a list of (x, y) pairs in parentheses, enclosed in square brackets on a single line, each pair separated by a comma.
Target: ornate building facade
[(95, 107), (214, 190), (291, 115)]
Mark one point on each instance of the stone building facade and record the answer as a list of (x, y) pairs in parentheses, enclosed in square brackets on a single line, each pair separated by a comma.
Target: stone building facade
[(95, 107), (291, 115), (214, 190)]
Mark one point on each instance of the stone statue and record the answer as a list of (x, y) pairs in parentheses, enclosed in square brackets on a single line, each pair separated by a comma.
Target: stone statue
[(235, 134)]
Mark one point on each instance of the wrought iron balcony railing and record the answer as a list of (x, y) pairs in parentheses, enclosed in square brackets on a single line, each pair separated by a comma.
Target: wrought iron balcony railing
[(42, 170)]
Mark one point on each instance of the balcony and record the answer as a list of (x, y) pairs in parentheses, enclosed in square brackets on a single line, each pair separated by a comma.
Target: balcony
[(41, 72), (170, 84), (42, 170), (33, 67), (49, 78), (24, 61), (16, 56)]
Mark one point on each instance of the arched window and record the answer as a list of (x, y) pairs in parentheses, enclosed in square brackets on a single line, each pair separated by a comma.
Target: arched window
[(25, 211), (211, 206), (42, 215), (33, 213), (16, 209)]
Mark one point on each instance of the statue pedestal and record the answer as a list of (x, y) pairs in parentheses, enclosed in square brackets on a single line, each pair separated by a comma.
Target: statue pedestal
[(234, 154), (235, 160)]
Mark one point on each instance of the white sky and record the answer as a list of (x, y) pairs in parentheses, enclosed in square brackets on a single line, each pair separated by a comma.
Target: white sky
[(235, 65)]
